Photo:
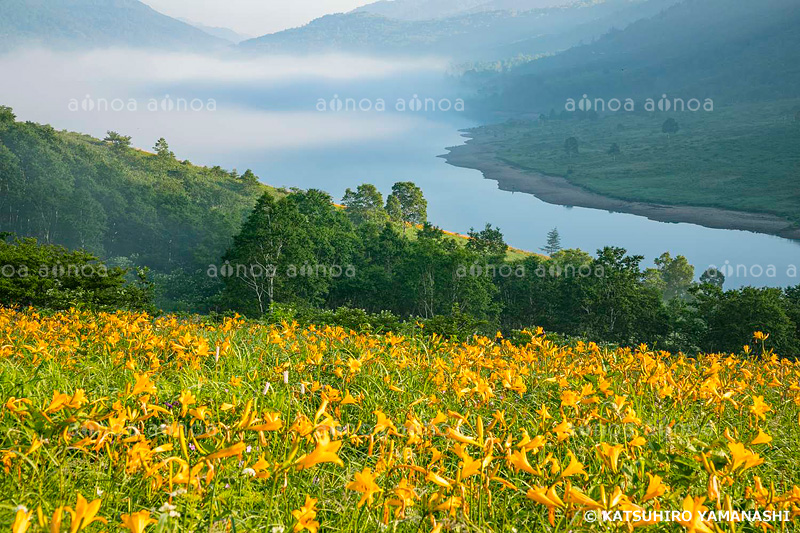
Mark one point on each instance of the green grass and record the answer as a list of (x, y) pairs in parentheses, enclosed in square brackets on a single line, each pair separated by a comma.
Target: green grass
[(744, 157)]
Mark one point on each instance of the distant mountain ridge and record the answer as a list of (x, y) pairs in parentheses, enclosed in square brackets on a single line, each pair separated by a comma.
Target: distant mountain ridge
[(78, 24), (217, 31), (727, 50), (480, 35), (436, 9)]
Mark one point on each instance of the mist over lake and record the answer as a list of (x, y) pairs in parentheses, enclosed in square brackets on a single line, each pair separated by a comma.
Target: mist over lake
[(333, 122)]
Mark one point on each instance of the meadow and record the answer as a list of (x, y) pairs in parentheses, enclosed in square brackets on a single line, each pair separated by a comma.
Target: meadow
[(740, 157), (126, 422)]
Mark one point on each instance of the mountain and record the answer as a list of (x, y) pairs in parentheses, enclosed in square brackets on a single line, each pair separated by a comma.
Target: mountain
[(727, 50), (226, 34), (436, 9), (81, 24), (479, 36)]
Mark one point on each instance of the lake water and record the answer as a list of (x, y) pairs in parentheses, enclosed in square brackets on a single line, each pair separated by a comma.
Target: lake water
[(274, 116)]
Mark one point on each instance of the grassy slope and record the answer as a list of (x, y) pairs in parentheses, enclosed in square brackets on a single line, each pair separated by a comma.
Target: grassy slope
[(512, 254), (471, 435), (741, 157)]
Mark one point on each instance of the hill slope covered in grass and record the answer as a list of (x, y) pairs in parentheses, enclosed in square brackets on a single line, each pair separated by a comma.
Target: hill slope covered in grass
[(241, 426), (741, 157)]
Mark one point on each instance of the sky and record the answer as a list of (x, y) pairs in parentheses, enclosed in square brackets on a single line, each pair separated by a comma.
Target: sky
[(253, 17)]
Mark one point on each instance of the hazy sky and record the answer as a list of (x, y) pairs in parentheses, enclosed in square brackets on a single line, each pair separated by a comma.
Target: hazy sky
[(253, 17)]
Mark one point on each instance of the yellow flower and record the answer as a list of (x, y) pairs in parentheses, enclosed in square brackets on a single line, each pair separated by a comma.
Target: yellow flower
[(574, 467), (610, 455), (573, 495), (563, 430), (743, 457), (325, 452), (365, 484), (22, 520), (272, 422), (695, 509), (470, 467), (519, 460), (230, 451), (84, 514), (305, 516), (137, 522), (655, 488), (403, 496), (762, 438), (383, 423), (186, 398), (144, 385), (545, 496), (760, 407)]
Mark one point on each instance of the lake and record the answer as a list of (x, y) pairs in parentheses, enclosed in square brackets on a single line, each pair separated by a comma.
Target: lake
[(281, 118)]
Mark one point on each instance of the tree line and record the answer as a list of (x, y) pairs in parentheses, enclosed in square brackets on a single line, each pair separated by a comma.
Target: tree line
[(371, 259)]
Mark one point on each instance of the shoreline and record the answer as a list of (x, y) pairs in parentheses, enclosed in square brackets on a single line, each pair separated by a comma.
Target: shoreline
[(559, 191)]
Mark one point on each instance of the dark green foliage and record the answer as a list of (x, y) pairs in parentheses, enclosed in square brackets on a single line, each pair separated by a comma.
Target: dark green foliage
[(571, 146), (730, 318), (413, 206), (50, 276), (553, 245), (488, 242), (117, 141), (670, 126), (116, 202), (712, 276), (614, 151), (365, 205)]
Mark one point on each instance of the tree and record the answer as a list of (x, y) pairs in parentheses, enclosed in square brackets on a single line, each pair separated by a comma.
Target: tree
[(731, 318), (553, 245), (413, 205), (677, 275), (54, 277), (614, 151), (249, 177), (273, 241), (7, 115), (670, 127), (488, 242), (118, 142), (712, 276), (162, 149), (571, 146), (394, 210), (365, 205)]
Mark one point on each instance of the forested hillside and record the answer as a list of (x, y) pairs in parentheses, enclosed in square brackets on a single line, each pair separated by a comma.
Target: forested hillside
[(115, 201), (727, 51)]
